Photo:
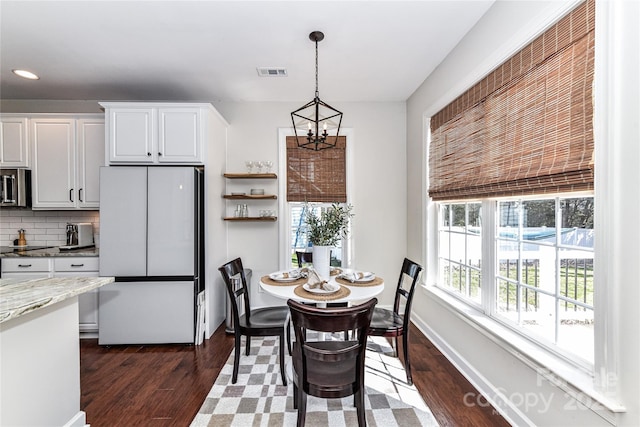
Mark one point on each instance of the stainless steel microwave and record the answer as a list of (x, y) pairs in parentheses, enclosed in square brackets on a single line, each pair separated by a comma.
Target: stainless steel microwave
[(15, 188)]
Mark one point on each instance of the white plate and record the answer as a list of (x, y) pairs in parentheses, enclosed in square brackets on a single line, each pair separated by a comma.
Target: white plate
[(280, 276), (367, 276), (320, 290)]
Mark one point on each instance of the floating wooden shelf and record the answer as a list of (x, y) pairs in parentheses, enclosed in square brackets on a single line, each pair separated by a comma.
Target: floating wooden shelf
[(251, 218), (250, 175), (249, 196)]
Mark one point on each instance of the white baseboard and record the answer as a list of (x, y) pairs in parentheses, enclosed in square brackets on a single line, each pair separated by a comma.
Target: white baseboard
[(503, 406), (88, 335), (78, 420)]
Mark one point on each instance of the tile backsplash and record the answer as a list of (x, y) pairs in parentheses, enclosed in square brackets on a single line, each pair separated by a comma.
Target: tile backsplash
[(46, 228)]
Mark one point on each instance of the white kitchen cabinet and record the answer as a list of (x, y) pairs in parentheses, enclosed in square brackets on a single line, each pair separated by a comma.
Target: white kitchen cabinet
[(130, 134), (88, 301), (179, 135), (53, 143), (28, 268), (14, 144), (155, 133), (90, 157), (67, 155)]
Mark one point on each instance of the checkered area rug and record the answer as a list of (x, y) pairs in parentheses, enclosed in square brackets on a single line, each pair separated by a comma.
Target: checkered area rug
[(259, 399)]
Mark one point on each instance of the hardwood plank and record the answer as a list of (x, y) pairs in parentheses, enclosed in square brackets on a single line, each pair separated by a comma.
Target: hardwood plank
[(165, 385)]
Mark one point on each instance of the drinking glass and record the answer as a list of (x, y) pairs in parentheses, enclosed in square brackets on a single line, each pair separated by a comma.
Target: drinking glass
[(249, 164), (258, 165), (268, 164)]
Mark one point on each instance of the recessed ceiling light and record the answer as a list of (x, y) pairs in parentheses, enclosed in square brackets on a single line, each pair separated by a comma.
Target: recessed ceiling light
[(26, 74)]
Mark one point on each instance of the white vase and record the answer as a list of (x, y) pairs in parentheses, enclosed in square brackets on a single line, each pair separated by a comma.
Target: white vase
[(321, 261)]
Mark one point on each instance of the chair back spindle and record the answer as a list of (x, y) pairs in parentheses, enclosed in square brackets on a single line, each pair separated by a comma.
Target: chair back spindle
[(232, 272)]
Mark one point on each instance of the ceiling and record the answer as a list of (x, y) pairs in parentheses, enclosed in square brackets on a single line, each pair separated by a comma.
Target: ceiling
[(206, 51)]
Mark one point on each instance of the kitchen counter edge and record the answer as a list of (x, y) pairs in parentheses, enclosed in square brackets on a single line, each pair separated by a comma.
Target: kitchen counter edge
[(21, 296)]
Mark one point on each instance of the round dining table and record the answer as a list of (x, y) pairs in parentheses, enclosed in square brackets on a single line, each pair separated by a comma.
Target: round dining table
[(349, 291)]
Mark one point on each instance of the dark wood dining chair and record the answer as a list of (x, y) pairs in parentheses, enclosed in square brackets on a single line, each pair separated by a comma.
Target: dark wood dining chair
[(395, 323), (329, 369), (261, 322), (303, 258)]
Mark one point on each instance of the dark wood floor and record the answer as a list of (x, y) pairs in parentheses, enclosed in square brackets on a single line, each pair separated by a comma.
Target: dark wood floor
[(165, 385)]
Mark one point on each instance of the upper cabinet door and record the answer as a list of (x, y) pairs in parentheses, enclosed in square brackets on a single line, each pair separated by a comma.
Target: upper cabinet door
[(53, 163), (131, 135), (90, 158), (179, 136), (14, 145)]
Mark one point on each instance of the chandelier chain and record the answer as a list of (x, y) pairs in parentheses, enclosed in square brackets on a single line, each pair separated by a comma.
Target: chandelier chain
[(317, 92)]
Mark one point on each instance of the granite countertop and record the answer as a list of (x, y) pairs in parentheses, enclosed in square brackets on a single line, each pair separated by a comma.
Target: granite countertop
[(19, 296), (53, 252)]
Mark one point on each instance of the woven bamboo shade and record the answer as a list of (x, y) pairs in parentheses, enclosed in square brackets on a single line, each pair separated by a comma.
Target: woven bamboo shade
[(316, 176), (526, 128)]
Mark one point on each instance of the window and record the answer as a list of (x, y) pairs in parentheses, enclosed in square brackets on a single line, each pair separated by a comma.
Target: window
[(318, 178), (511, 162), (298, 235), (540, 259), (460, 249)]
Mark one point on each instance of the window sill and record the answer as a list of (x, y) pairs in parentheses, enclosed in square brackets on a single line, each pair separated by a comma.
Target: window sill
[(574, 381)]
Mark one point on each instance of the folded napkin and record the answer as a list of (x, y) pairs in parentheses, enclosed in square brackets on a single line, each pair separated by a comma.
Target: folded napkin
[(357, 275), (314, 281)]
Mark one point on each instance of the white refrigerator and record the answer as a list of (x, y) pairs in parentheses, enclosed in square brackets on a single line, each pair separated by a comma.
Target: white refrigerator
[(151, 241)]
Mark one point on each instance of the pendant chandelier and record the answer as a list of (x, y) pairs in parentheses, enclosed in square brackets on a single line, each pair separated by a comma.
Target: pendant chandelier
[(316, 124)]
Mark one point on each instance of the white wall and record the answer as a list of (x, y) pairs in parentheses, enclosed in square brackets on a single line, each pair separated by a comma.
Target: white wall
[(379, 199), (501, 374)]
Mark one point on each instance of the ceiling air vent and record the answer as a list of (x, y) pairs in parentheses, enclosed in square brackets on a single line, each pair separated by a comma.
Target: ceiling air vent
[(272, 72)]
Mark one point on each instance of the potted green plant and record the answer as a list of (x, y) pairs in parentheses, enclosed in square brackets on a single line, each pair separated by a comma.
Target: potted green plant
[(324, 231)]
